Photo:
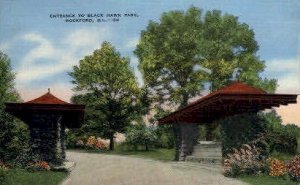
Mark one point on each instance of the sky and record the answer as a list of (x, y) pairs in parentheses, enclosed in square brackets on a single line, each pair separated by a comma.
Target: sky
[(44, 49)]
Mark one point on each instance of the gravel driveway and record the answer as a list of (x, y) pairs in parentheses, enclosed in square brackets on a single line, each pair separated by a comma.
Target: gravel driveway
[(104, 169)]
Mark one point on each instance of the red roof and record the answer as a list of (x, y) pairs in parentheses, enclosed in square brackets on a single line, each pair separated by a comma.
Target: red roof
[(234, 88), (236, 98), (73, 114), (241, 88), (47, 98)]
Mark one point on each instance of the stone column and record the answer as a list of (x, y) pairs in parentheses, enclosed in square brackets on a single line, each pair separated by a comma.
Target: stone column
[(60, 145), (44, 137), (188, 139), (177, 135)]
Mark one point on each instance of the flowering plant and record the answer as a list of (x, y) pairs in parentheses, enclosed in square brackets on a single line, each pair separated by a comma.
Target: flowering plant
[(3, 166), (39, 166), (100, 144), (293, 168), (276, 167), (96, 143), (245, 160), (80, 143), (91, 141)]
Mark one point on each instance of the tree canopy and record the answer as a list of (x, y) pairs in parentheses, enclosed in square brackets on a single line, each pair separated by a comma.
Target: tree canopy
[(13, 133), (185, 50), (106, 84), (7, 89)]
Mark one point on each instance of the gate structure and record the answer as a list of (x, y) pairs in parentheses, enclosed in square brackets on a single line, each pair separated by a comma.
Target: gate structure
[(47, 117), (234, 99)]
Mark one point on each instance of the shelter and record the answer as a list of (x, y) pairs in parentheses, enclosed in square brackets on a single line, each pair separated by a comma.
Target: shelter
[(47, 117), (237, 98)]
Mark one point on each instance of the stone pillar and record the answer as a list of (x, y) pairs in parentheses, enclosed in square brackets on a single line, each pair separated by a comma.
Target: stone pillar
[(45, 133), (188, 139), (177, 135), (63, 141)]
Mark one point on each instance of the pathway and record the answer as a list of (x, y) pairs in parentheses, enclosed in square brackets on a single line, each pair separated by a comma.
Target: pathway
[(104, 169)]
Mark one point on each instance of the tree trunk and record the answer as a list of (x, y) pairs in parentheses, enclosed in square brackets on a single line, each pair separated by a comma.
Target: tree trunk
[(209, 130), (111, 142), (208, 136), (146, 146), (185, 99)]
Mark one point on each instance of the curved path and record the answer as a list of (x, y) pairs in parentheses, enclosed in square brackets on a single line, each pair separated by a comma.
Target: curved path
[(104, 169)]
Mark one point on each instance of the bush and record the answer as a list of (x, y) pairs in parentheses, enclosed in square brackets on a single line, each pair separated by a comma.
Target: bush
[(293, 168), (14, 138), (276, 167), (246, 160), (165, 136), (277, 142), (3, 172), (240, 129), (94, 143), (38, 166), (140, 135)]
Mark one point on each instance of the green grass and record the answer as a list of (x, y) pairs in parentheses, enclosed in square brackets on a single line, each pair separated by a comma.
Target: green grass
[(156, 154), (23, 177), (265, 180)]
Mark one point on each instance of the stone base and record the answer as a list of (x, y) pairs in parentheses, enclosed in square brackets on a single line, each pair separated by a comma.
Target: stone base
[(211, 161), (67, 166), (207, 152)]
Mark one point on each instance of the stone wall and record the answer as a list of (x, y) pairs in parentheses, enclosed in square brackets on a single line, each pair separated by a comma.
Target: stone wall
[(47, 137), (186, 137)]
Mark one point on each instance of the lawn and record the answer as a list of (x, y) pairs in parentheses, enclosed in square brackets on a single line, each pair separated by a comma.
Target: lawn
[(265, 180), (157, 154), (23, 177)]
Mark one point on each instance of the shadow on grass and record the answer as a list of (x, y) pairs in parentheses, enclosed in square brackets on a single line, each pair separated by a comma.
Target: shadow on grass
[(158, 154), (266, 180), (24, 177)]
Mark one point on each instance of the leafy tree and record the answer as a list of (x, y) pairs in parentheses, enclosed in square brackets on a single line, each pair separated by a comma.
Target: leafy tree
[(164, 133), (13, 133), (186, 49), (238, 130), (228, 49), (141, 135), (108, 85)]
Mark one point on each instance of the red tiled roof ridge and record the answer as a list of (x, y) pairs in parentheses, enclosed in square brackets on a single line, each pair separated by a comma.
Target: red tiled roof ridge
[(239, 87), (47, 98), (235, 87)]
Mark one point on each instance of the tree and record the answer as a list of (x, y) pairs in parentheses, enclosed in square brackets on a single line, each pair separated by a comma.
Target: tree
[(108, 85), (141, 135), (185, 50), (14, 135)]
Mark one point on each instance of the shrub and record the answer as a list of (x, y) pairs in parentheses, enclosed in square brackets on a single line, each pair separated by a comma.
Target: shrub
[(3, 173), (100, 144), (276, 167), (140, 135), (39, 166), (91, 141), (94, 143), (165, 136), (239, 129), (246, 160), (293, 168)]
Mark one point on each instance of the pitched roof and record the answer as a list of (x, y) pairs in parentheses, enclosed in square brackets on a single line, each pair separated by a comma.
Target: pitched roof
[(234, 88), (47, 98), (73, 114), (236, 98), (241, 88)]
